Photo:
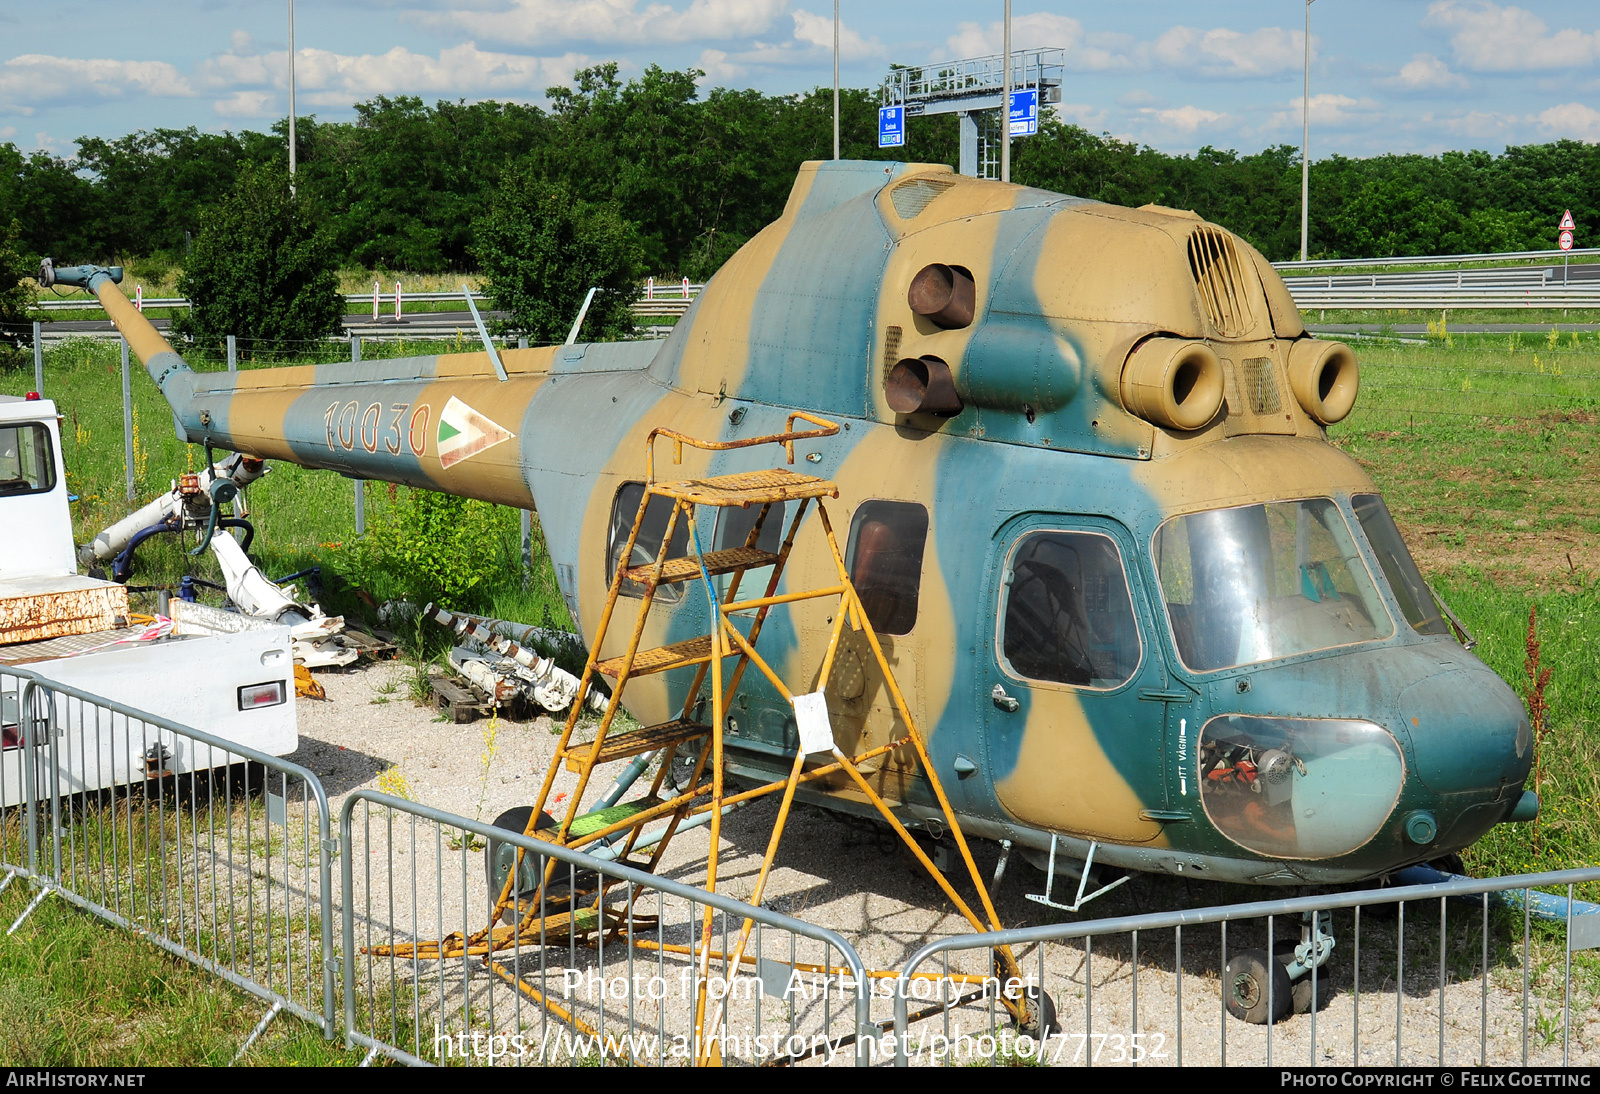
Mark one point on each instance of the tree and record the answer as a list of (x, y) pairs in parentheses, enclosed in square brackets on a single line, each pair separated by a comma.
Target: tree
[(16, 298), (542, 249), (262, 268)]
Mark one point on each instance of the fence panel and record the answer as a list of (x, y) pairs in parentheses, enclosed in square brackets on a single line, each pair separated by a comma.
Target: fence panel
[(19, 773), (215, 852), (413, 875), (1460, 973)]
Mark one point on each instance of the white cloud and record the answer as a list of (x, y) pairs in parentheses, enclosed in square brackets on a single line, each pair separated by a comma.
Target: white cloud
[(242, 43), (1478, 124), (1087, 115), (1572, 120), (817, 30), (35, 79), (714, 63), (1042, 30), (1425, 72), (1187, 119), (1489, 38), (252, 83), (1226, 54), (615, 22), (249, 104), (1330, 112)]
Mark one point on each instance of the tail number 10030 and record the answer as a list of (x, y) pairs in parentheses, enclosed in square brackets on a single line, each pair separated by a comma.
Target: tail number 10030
[(352, 425)]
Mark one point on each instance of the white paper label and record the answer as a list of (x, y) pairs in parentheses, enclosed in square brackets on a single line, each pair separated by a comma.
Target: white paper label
[(811, 715)]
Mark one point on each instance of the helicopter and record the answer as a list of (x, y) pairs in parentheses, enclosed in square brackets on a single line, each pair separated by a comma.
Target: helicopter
[(1147, 615)]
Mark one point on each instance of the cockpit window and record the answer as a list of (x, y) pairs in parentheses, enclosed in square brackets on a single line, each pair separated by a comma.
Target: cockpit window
[(1410, 591), (1261, 582), (1068, 617), (26, 465)]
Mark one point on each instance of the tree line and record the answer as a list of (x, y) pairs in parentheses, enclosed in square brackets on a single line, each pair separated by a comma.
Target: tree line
[(406, 186)]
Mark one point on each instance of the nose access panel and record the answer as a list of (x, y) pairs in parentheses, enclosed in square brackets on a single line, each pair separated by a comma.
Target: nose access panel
[(1468, 730)]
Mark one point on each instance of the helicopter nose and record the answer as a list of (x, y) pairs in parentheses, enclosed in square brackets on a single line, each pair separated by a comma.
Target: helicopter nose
[(1468, 730)]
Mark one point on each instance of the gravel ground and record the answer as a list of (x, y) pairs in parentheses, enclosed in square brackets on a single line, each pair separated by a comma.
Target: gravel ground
[(847, 876)]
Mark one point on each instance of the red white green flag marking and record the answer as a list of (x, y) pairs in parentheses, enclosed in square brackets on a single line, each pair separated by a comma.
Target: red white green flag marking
[(463, 433)]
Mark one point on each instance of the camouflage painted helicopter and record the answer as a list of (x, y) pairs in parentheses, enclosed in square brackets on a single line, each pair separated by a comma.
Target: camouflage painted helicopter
[(1146, 614)]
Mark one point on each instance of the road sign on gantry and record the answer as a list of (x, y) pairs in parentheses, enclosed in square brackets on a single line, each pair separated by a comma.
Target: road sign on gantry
[(891, 126), (1024, 112)]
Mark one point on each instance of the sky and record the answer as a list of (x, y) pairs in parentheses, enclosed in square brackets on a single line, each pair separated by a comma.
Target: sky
[(1386, 75)]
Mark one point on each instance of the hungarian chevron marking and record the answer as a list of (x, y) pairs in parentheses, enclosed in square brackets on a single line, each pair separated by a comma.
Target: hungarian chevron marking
[(463, 433)]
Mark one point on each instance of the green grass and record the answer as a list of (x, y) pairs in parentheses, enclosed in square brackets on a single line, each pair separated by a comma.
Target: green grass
[(1539, 317), (76, 992), (1486, 449)]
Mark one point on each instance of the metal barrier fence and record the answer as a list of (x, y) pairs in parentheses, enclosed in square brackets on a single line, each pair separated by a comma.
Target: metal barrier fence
[(1457, 988), (571, 988), (19, 827), (215, 852), (1436, 260)]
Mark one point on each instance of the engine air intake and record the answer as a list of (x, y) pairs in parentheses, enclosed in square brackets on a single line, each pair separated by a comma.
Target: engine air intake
[(1173, 383), (1324, 378), (1219, 277)]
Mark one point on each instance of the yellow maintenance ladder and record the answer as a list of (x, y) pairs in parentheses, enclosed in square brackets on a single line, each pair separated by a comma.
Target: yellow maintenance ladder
[(534, 922)]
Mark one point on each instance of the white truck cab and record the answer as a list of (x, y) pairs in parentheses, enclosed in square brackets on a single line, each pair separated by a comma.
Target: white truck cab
[(231, 676)]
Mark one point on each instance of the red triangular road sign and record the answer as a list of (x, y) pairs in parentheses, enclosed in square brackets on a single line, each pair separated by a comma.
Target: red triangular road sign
[(1567, 221)]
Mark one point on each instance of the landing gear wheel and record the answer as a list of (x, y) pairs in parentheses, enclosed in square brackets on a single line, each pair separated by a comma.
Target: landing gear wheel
[(1039, 1011), (498, 857), (1246, 980), (1304, 1001)]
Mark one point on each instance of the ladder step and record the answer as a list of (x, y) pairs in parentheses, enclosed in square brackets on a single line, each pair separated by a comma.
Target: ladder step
[(605, 818), (717, 562), (747, 488), (694, 651), (623, 745)]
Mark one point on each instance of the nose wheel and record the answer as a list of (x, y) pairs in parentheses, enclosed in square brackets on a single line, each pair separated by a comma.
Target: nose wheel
[(1261, 989)]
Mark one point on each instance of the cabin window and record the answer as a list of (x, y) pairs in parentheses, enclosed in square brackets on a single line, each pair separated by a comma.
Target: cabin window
[(734, 525), (1412, 593), (885, 562), (1068, 616), (26, 466), (623, 511)]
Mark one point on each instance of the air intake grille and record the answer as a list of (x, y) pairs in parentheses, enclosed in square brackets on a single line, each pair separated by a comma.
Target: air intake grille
[(891, 350), (913, 195), (1258, 376), (1218, 274)]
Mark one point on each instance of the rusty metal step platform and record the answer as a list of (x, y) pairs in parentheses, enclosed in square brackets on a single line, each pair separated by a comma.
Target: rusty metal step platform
[(717, 562), (747, 488), (694, 651), (622, 745)]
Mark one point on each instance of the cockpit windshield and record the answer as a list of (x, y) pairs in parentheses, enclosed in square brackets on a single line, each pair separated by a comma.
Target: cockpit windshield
[(1260, 582)]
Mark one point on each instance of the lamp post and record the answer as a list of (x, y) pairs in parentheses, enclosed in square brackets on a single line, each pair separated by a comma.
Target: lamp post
[(835, 79), (1005, 100), (1305, 145), (291, 97)]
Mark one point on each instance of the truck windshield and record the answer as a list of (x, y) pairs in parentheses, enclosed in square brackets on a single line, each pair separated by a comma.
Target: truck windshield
[(26, 466), (1261, 582)]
